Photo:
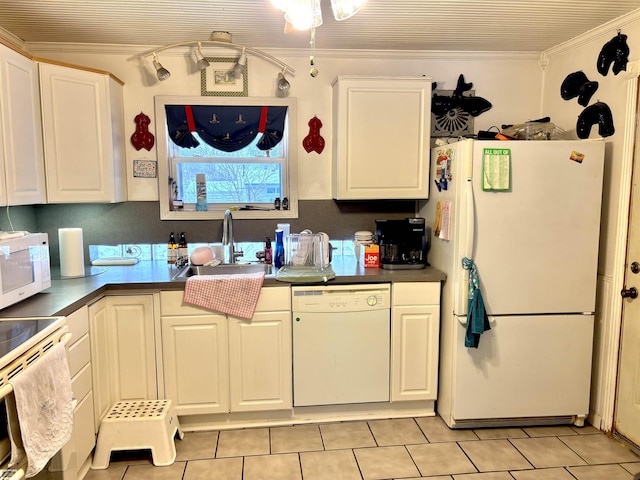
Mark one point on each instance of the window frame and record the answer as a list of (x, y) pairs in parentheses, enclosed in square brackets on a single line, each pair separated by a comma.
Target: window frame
[(164, 159)]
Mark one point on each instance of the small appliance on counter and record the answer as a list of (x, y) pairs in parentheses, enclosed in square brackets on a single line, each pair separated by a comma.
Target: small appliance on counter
[(403, 243), (24, 266), (306, 258)]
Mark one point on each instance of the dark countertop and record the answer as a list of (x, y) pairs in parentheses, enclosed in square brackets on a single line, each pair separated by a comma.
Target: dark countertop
[(69, 294)]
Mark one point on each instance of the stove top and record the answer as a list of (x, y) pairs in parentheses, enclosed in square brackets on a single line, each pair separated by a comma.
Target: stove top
[(17, 335)]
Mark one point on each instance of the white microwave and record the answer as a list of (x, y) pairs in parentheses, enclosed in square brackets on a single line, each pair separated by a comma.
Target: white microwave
[(24, 266)]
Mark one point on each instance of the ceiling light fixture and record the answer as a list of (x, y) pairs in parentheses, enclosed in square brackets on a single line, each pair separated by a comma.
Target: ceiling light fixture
[(306, 14), (343, 9), (161, 72), (216, 39), (303, 14)]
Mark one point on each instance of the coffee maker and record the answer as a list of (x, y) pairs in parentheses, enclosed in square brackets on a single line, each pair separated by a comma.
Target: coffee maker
[(403, 244)]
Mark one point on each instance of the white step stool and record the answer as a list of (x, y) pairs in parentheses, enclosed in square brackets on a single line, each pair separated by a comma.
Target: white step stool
[(137, 425)]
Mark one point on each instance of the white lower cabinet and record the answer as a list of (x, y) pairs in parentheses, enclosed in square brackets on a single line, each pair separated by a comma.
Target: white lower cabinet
[(196, 362), (123, 350), (215, 363), (415, 334), (260, 362)]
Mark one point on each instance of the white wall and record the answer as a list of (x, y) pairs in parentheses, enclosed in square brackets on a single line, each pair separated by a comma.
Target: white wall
[(512, 82), (618, 91)]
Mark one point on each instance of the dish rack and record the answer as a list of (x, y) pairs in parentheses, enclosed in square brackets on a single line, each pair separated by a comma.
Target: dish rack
[(15, 367)]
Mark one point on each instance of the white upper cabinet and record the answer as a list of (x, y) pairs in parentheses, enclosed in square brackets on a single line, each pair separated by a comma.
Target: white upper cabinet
[(83, 127), (381, 137), (21, 163)]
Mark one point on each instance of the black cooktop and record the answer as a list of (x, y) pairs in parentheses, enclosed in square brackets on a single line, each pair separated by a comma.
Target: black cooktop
[(19, 334)]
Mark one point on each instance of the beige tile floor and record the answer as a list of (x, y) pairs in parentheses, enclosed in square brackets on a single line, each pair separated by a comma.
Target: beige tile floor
[(421, 447)]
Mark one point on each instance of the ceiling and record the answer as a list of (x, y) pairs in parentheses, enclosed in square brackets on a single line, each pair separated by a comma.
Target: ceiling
[(453, 25)]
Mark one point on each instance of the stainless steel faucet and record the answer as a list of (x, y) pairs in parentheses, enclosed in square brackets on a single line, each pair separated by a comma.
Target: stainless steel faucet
[(227, 237), (230, 253)]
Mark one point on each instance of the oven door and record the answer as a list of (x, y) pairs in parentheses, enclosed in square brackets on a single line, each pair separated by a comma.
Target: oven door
[(22, 342)]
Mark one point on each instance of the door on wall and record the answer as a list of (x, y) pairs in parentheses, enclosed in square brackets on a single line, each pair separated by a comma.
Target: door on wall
[(627, 416)]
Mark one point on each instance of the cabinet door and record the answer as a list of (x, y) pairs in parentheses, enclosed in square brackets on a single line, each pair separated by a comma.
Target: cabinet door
[(21, 131), (83, 139), (103, 397), (414, 352), (260, 362), (196, 368), (381, 135), (132, 355)]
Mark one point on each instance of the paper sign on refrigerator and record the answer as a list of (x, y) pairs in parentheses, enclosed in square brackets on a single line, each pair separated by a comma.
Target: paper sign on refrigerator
[(496, 169)]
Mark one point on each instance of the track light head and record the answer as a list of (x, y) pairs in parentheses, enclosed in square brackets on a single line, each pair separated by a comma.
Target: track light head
[(283, 85), (161, 72), (202, 63), (241, 63)]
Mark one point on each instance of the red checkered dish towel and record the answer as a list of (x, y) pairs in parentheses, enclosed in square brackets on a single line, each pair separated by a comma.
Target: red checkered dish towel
[(235, 295)]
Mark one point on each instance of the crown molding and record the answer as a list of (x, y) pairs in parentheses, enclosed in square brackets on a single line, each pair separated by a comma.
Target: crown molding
[(9, 38), (607, 30)]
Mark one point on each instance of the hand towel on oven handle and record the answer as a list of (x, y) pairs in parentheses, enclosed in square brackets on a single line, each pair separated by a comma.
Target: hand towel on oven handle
[(40, 413)]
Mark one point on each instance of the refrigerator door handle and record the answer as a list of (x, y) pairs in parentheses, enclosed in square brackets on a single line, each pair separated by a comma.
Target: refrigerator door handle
[(462, 320), (470, 220), (463, 294)]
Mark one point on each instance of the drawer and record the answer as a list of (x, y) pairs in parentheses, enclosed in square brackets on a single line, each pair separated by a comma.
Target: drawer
[(83, 435), (415, 293), (79, 355), (81, 382), (78, 323), (271, 299)]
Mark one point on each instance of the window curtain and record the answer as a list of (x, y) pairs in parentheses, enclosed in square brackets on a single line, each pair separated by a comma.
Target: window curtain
[(227, 128)]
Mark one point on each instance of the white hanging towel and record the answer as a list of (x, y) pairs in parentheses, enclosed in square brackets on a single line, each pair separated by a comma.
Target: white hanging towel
[(40, 413)]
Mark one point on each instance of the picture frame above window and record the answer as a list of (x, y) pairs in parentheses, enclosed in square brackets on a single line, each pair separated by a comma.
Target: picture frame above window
[(220, 79)]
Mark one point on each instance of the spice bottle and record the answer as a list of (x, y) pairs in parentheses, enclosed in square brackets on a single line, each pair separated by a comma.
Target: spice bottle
[(172, 250)]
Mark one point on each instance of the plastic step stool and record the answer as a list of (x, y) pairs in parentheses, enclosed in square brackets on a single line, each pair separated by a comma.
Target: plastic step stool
[(137, 425)]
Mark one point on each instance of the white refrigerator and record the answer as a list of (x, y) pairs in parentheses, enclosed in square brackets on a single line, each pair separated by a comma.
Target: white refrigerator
[(528, 214)]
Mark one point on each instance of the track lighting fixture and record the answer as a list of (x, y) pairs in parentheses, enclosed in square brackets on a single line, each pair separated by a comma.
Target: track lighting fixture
[(202, 62), (161, 72), (222, 39)]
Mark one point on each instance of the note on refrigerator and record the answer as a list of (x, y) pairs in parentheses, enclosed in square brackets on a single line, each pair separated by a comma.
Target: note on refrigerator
[(445, 221), (496, 169)]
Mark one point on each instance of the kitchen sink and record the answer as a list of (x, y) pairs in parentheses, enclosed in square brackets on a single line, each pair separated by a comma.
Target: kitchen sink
[(224, 269)]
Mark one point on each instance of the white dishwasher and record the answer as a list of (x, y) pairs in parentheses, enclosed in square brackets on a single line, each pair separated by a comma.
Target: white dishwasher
[(341, 342)]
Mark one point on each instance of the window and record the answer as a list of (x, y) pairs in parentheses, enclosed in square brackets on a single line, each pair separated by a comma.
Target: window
[(245, 173)]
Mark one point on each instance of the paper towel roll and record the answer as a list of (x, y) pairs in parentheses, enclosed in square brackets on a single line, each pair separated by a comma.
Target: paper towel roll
[(71, 252)]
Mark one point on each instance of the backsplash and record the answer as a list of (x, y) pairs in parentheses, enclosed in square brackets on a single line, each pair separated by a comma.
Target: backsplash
[(138, 223), (158, 251)]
